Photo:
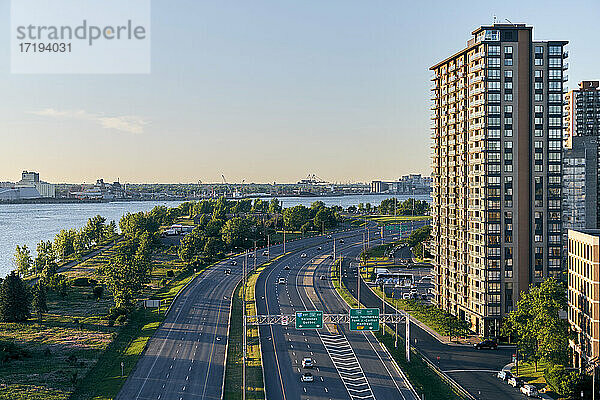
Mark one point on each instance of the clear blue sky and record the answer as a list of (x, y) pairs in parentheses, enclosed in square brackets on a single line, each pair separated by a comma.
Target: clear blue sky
[(264, 91)]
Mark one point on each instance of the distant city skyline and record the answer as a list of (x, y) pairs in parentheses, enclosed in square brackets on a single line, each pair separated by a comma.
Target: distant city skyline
[(263, 92)]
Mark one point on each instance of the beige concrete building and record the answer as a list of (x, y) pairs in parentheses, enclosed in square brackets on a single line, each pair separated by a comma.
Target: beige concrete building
[(497, 142), (584, 295)]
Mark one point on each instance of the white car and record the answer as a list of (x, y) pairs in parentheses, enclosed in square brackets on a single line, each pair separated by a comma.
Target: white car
[(265, 253), (529, 390), (281, 281), (307, 362), (303, 255), (307, 377)]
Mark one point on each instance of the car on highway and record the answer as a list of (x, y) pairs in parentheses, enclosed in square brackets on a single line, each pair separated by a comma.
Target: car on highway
[(515, 382), (307, 377), (504, 375), (265, 253), (281, 281), (486, 344), (319, 248), (328, 236), (250, 255), (341, 240), (330, 256), (227, 271), (233, 262), (322, 277), (307, 362), (287, 267), (529, 390), (303, 255)]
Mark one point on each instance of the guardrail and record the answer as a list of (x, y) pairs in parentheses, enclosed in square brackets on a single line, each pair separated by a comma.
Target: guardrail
[(445, 377)]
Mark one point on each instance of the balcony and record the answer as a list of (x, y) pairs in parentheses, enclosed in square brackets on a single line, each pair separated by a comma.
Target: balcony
[(565, 66), (565, 78)]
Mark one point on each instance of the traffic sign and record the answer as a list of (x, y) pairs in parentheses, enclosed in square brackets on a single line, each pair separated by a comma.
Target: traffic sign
[(309, 319), (285, 320), (364, 319)]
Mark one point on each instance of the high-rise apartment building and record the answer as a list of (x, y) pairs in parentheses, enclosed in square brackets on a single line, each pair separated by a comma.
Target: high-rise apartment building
[(583, 111), (497, 143)]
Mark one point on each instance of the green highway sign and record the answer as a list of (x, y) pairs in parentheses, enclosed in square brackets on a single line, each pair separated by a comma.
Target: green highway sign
[(309, 319), (398, 227), (364, 319)]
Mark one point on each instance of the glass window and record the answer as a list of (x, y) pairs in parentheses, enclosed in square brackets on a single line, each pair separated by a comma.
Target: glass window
[(539, 73), (554, 50), (508, 62), (539, 61), (508, 109), (539, 50), (508, 49), (508, 73)]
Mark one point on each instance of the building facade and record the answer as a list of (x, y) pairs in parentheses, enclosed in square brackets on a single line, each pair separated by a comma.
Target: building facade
[(582, 111), (32, 179), (497, 148), (584, 295)]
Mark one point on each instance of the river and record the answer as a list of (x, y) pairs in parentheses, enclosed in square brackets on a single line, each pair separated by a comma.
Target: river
[(27, 224)]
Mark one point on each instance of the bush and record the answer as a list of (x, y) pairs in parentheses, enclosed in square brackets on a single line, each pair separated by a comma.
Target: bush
[(121, 319), (98, 291), (11, 351), (567, 383), (80, 282), (115, 312), (170, 273)]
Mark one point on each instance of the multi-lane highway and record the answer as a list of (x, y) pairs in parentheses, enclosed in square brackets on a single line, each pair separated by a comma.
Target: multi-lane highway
[(348, 365), (475, 370), (185, 359)]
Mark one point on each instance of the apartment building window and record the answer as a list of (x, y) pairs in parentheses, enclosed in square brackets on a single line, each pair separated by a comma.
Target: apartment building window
[(508, 85), (508, 168), (554, 74), (508, 73), (494, 133), (554, 86), (539, 132), (508, 132), (493, 50), (539, 62), (539, 73), (539, 50), (508, 50), (554, 145), (539, 97), (555, 97), (508, 120), (555, 63), (494, 97), (494, 73), (508, 62), (539, 109), (539, 85), (539, 121), (493, 85), (508, 97), (493, 62), (494, 109), (555, 50)]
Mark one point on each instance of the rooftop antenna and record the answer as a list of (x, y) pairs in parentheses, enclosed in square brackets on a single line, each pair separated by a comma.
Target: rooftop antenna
[(495, 19), (507, 20)]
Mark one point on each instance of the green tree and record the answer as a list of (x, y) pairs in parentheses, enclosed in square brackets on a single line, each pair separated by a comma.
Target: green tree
[(45, 256), (15, 299), (191, 246), (535, 324), (23, 260), (39, 300), (275, 206), (295, 217), (133, 225), (96, 228), (129, 269), (213, 248), (325, 217), (236, 230), (64, 244)]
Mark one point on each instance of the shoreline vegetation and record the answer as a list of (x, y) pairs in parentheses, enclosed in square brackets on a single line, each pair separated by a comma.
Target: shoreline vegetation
[(81, 310)]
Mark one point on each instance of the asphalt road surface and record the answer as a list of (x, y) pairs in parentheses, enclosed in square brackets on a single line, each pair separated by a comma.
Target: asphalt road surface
[(475, 370), (185, 358), (348, 365)]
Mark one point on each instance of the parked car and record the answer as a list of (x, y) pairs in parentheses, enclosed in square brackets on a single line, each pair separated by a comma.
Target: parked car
[(486, 344), (307, 362), (529, 391), (281, 281), (307, 377), (515, 382), (504, 375)]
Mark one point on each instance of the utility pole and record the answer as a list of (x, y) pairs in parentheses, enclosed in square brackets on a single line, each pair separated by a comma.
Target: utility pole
[(268, 247), (396, 341), (383, 307), (283, 240), (244, 317), (358, 284), (407, 337)]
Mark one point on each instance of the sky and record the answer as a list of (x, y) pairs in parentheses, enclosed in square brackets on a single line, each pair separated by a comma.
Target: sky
[(264, 91)]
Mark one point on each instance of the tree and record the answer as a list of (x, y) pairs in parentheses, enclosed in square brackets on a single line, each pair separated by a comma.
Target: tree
[(325, 217), (133, 225), (64, 243), (295, 217), (536, 326), (191, 246), (275, 206), (213, 248), (96, 228), (23, 260), (236, 230), (45, 255), (39, 300), (15, 299), (128, 270)]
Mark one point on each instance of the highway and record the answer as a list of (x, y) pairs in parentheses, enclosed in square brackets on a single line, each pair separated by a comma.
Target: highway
[(475, 370), (348, 365), (185, 358)]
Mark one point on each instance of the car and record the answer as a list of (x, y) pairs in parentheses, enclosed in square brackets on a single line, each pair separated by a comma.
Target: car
[(307, 362), (281, 281), (486, 344), (515, 382), (322, 277), (303, 255), (504, 375), (265, 253), (529, 390), (227, 271), (233, 262), (287, 267), (328, 236), (319, 248), (406, 296), (307, 377), (330, 256), (341, 240), (250, 255)]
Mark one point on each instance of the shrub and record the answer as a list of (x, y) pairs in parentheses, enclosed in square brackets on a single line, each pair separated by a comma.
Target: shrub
[(121, 319), (11, 351), (80, 282), (567, 383), (97, 292), (116, 312), (170, 273)]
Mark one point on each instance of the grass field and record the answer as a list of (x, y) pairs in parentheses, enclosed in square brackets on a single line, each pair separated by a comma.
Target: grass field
[(528, 373), (73, 352)]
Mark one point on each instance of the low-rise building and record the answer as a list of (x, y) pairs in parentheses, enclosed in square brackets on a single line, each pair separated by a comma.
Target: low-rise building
[(32, 179), (584, 295)]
